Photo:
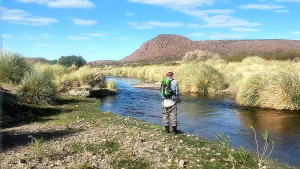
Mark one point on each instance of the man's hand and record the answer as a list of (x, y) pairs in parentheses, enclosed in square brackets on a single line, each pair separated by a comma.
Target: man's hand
[(177, 99)]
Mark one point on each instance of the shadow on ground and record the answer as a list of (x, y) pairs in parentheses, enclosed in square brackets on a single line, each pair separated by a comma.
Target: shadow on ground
[(14, 113), (12, 139)]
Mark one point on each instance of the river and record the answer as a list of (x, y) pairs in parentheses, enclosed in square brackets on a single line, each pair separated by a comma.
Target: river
[(207, 116)]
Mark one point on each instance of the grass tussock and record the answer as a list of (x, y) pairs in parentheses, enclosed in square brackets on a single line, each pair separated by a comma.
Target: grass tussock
[(281, 55), (12, 67), (112, 86), (37, 87), (53, 71), (199, 78), (277, 90), (199, 55), (84, 76)]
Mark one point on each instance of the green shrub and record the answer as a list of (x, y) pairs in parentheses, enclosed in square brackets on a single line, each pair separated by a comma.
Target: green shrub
[(68, 61), (12, 67), (277, 90), (37, 88)]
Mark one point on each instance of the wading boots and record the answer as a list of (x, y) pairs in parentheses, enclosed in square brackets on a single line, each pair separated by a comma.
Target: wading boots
[(167, 129), (175, 130)]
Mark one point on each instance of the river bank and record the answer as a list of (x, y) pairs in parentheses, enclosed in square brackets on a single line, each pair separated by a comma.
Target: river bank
[(74, 134)]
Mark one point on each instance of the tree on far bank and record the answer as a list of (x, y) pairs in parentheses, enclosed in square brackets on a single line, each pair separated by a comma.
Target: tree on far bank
[(68, 61)]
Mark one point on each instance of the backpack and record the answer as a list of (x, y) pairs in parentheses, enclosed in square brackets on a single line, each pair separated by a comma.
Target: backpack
[(165, 88)]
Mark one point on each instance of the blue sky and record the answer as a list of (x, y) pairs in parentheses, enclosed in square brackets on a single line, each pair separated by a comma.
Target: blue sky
[(114, 29)]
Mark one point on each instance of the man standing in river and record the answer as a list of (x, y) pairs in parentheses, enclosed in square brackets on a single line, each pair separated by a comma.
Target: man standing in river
[(169, 102)]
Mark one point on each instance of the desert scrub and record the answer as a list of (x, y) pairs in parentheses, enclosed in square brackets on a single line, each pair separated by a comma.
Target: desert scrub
[(199, 55), (37, 88), (277, 90), (12, 67)]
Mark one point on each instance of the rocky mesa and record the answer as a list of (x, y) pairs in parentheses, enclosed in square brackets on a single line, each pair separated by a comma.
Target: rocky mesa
[(174, 47)]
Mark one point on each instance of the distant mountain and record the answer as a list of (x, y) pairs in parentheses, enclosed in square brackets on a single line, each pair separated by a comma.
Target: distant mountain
[(98, 63), (174, 47), (36, 60)]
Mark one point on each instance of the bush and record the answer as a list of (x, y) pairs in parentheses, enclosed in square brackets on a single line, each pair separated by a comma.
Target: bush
[(37, 88), (277, 90), (112, 86), (12, 67), (53, 71), (199, 78), (68, 61), (276, 55), (199, 55), (85, 76)]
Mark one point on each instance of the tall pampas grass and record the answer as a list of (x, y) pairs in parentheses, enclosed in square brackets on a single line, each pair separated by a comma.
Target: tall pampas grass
[(13, 67), (277, 90)]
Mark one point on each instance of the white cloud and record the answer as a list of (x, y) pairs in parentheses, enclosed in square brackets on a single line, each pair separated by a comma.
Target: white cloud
[(226, 21), (226, 36), (164, 24), (62, 3), (212, 17), (6, 36), (177, 4), (244, 29), (153, 24), (193, 25), (297, 33), (143, 27), (132, 23), (196, 34), (17, 16), (33, 1), (78, 37), (71, 4), (281, 11), (95, 34), (82, 22), (261, 7)]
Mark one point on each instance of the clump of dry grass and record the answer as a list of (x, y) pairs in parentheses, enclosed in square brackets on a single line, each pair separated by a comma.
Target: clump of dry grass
[(112, 86), (53, 71), (199, 78), (84, 76), (199, 55), (13, 67), (277, 90)]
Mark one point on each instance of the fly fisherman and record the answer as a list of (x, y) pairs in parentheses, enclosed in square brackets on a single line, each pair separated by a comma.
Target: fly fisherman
[(170, 97)]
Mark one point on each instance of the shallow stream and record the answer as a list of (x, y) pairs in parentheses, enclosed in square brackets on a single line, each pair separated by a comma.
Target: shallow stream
[(207, 116)]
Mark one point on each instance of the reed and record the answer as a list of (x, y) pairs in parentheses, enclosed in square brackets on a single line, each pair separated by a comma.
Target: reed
[(12, 67), (84, 76), (38, 88), (53, 71), (277, 90)]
